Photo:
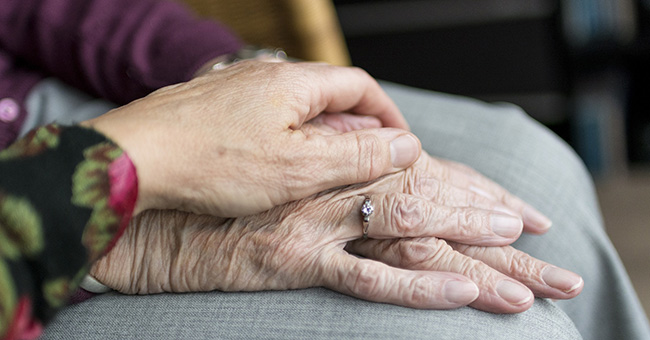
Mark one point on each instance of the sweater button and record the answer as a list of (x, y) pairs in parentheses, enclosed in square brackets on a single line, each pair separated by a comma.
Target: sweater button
[(8, 110)]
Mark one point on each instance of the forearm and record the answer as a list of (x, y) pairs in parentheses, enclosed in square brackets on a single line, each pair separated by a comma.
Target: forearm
[(118, 49), (66, 195)]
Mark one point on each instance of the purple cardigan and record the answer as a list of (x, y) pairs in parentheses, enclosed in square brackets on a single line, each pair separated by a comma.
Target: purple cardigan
[(116, 49)]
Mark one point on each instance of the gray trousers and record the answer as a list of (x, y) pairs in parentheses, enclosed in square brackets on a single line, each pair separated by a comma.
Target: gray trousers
[(498, 140)]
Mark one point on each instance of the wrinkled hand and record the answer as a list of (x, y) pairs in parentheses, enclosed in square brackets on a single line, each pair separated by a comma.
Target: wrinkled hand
[(444, 182), (505, 276), (302, 244), (229, 143)]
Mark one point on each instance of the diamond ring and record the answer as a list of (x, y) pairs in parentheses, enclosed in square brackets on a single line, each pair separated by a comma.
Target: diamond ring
[(366, 210)]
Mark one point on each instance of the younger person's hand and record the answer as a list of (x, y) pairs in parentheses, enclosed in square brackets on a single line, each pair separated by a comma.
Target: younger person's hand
[(229, 143)]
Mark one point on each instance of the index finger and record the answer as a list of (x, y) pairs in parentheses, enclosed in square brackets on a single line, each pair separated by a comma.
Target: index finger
[(349, 89)]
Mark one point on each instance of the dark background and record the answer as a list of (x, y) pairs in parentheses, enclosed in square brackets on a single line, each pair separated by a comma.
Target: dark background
[(587, 82)]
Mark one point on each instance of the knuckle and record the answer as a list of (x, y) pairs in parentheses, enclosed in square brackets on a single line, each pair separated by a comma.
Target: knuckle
[(420, 184), (421, 290), (421, 255), (469, 221), (465, 265), (445, 258), (439, 250), (405, 216), (372, 162), (413, 254), (365, 280), (521, 265), (469, 265), (479, 272), (442, 257)]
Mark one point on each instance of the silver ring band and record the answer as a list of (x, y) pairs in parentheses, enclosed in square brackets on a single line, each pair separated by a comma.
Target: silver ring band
[(366, 210)]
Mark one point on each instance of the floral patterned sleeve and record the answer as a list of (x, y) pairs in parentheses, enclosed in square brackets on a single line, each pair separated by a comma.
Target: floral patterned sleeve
[(66, 196)]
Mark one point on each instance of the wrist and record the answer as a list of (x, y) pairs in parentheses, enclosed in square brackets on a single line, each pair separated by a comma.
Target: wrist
[(246, 53), (127, 172)]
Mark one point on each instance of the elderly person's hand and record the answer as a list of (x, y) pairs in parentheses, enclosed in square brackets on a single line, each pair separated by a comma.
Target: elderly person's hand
[(499, 272), (229, 143), (445, 182), (302, 244)]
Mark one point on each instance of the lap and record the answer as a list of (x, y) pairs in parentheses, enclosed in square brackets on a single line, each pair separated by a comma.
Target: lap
[(314, 313)]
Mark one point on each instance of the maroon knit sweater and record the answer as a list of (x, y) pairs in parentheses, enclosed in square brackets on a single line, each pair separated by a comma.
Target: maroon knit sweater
[(116, 49)]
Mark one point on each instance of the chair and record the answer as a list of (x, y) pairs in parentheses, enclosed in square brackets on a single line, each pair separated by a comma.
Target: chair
[(305, 29)]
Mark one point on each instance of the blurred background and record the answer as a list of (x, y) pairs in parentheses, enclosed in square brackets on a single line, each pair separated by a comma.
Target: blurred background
[(578, 66), (581, 67)]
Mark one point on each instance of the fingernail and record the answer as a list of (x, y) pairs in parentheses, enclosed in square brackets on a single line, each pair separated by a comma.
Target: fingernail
[(536, 219), (561, 279), (506, 225), (513, 293), (460, 292), (404, 150)]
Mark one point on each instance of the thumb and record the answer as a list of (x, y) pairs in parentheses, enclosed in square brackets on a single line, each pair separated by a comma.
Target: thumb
[(361, 155)]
